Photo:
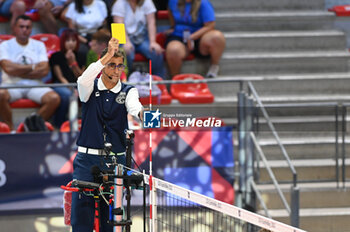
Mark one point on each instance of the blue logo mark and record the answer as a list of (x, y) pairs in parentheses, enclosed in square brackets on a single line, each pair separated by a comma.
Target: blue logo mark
[(151, 119)]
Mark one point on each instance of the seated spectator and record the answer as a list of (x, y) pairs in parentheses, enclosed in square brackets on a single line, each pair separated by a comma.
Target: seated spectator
[(48, 10), (85, 16), (66, 66), (13, 9), (140, 24), (99, 41), (24, 62), (193, 23)]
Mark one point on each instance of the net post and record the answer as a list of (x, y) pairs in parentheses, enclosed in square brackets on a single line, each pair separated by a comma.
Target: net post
[(250, 201), (294, 214), (241, 149)]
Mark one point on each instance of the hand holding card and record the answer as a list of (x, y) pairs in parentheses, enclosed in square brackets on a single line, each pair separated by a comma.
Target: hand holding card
[(118, 32)]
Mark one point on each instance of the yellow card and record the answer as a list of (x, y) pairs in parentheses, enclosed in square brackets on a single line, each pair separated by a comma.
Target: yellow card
[(118, 32)]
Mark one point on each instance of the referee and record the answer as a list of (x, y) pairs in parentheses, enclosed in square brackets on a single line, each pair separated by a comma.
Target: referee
[(105, 105)]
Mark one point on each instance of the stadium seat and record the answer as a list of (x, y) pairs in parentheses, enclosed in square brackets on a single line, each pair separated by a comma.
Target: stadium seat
[(4, 128), (21, 129), (24, 103), (343, 10), (162, 14), (65, 127), (5, 37), (191, 93), (165, 97), (33, 14), (51, 41)]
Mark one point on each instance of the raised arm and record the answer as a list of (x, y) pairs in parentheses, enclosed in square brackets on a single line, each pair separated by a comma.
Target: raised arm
[(86, 80)]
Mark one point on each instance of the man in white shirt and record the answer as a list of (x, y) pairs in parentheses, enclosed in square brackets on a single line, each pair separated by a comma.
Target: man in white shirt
[(24, 62)]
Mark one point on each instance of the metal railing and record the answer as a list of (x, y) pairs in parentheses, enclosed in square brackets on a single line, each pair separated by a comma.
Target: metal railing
[(247, 145), (343, 135)]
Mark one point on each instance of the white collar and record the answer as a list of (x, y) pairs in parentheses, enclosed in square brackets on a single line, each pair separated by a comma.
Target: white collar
[(115, 89)]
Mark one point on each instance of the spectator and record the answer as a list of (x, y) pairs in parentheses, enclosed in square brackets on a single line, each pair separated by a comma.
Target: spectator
[(140, 23), (12, 8), (48, 11), (66, 66), (193, 23), (24, 62), (99, 41), (86, 16)]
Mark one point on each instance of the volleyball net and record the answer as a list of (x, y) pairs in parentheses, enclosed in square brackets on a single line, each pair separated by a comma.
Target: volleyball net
[(175, 209)]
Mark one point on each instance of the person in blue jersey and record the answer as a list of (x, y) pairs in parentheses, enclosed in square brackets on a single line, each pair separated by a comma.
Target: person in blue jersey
[(105, 105), (193, 30)]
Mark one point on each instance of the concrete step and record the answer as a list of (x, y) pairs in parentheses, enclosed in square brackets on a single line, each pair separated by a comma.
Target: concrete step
[(274, 20), (270, 5), (300, 124), (300, 147), (284, 41), (284, 84), (320, 220), (312, 149), (312, 195), (274, 63), (307, 170)]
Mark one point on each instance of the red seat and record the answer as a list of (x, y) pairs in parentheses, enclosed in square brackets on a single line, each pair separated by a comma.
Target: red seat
[(343, 10), (139, 57), (21, 129), (4, 128), (162, 14), (3, 19), (24, 103), (5, 37), (65, 127), (191, 93), (165, 97), (33, 14), (51, 41)]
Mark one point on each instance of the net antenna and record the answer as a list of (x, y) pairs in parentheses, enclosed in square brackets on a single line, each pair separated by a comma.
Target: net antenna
[(152, 227)]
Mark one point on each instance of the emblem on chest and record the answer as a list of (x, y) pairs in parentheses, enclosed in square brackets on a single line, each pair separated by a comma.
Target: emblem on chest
[(120, 99)]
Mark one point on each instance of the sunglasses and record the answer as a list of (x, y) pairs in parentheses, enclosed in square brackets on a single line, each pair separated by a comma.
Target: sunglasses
[(113, 66)]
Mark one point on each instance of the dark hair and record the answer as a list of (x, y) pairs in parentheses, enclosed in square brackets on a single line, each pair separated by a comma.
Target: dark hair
[(116, 54), (67, 34), (102, 36), (24, 17)]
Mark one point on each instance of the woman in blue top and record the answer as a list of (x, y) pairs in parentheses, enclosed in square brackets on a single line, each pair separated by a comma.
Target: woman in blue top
[(193, 23)]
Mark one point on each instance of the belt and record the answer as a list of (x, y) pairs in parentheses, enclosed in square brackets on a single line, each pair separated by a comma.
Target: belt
[(93, 151)]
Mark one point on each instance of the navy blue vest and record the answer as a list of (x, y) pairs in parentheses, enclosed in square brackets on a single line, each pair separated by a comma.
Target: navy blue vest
[(104, 112)]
